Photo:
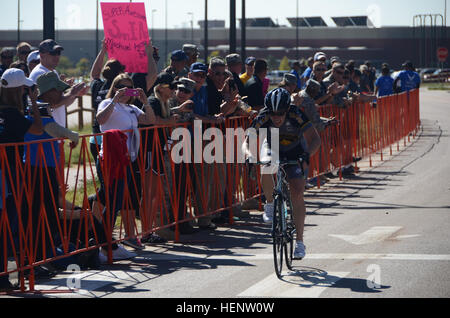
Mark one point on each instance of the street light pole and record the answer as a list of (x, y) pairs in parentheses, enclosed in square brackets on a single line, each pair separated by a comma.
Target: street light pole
[(192, 26), (296, 34), (153, 23), (49, 19), (18, 21), (166, 42), (232, 26), (96, 31), (206, 32), (243, 32)]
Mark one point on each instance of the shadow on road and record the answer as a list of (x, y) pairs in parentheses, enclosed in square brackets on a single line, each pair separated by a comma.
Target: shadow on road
[(307, 277)]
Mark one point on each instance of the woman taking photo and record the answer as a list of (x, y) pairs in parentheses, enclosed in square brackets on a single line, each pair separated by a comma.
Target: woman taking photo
[(156, 167), (116, 112)]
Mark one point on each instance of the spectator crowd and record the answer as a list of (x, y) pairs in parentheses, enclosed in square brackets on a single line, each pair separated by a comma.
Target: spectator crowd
[(33, 103)]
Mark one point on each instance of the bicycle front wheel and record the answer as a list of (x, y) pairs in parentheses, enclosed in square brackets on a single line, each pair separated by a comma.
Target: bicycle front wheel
[(277, 236)]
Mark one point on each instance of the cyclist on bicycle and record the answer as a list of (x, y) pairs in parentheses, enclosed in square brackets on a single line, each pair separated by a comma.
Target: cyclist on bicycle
[(298, 140)]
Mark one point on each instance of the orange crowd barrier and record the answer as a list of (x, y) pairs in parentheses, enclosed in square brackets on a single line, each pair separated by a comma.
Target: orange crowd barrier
[(49, 213)]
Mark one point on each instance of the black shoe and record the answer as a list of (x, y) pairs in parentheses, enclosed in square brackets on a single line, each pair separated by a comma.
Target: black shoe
[(210, 227), (6, 286), (90, 259), (42, 272), (187, 229), (331, 175), (220, 220), (153, 239), (348, 171)]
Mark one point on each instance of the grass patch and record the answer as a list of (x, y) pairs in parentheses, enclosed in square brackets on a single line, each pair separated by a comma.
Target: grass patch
[(79, 196), (77, 151)]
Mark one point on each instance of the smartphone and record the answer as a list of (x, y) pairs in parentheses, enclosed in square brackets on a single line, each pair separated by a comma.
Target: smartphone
[(132, 93)]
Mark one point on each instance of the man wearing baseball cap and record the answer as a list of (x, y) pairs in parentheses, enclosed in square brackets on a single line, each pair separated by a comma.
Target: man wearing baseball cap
[(192, 53), (50, 53), (234, 65), (6, 58), (178, 62), (33, 60), (320, 56), (249, 69)]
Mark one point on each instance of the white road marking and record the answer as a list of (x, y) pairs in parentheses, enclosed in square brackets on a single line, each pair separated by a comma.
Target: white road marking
[(91, 281), (324, 256), (375, 234), (294, 285)]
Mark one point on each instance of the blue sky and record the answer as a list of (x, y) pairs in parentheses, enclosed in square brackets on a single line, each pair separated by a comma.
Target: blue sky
[(81, 14)]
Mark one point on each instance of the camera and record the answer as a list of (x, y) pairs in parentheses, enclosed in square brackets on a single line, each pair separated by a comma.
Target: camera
[(43, 110), (132, 93)]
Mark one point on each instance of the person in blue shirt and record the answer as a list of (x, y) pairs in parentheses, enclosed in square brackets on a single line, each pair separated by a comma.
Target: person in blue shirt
[(407, 79), (385, 83), (296, 68), (307, 73), (201, 173)]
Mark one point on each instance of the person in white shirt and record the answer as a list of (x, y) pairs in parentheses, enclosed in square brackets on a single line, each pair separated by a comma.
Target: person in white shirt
[(50, 53)]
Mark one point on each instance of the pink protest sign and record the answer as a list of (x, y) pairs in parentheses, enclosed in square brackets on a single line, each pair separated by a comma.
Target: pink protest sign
[(126, 34)]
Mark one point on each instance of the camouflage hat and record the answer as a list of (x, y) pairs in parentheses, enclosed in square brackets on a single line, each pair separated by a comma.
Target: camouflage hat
[(187, 84), (233, 59), (290, 79), (49, 81), (190, 50), (312, 84)]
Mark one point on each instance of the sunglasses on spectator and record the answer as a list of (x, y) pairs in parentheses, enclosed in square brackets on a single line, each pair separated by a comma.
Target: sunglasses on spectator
[(340, 72), (55, 53), (24, 52), (7, 57), (220, 73), (120, 86), (320, 70), (171, 86), (184, 90)]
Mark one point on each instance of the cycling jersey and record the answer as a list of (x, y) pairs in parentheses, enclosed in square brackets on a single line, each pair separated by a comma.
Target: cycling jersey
[(291, 132)]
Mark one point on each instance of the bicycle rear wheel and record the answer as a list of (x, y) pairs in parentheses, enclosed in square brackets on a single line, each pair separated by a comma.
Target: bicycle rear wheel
[(277, 236), (289, 245)]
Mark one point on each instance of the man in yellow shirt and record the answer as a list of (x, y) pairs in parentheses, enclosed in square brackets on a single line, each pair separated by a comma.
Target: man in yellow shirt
[(249, 68)]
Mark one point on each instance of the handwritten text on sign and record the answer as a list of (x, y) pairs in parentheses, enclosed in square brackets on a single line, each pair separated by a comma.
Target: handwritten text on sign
[(126, 34)]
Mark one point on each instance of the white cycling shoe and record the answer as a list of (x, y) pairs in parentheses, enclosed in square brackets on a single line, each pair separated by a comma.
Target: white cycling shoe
[(300, 251), (268, 213)]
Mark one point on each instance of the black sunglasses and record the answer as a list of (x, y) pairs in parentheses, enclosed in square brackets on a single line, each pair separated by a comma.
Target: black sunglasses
[(55, 53), (24, 52), (120, 86), (220, 73), (184, 90)]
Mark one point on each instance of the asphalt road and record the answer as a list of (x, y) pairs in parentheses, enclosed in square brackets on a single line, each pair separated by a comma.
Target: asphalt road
[(382, 233)]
